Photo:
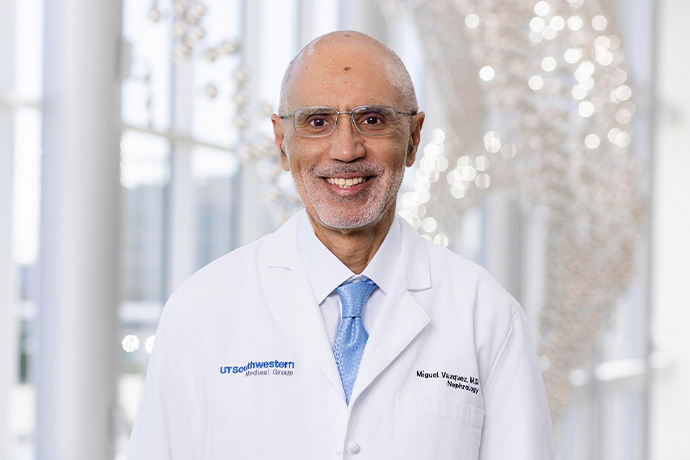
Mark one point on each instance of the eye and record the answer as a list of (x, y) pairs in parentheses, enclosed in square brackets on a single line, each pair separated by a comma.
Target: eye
[(314, 120), (372, 119), (318, 121)]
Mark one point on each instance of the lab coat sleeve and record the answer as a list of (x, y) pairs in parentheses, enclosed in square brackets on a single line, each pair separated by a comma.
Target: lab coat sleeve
[(168, 420), (517, 422)]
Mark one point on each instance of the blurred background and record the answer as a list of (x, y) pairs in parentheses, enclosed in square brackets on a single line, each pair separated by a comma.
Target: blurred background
[(135, 148)]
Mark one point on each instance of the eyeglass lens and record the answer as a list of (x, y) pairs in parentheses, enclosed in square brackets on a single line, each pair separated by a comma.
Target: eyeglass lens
[(369, 120)]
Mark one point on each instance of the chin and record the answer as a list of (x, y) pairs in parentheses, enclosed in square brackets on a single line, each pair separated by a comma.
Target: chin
[(344, 219)]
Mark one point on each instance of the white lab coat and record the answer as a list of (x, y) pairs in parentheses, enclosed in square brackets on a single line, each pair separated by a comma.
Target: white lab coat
[(448, 371)]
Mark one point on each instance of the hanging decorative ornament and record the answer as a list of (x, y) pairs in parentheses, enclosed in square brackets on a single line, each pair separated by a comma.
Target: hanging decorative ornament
[(240, 75), (538, 106), (210, 54), (182, 50), (154, 14), (241, 98), (187, 16), (197, 11), (211, 91), (229, 47)]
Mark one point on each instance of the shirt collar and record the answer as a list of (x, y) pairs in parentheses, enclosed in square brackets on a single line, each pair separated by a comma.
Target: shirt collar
[(326, 272)]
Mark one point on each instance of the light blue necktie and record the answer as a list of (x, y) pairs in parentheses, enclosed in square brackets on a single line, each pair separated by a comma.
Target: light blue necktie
[(351, 337)]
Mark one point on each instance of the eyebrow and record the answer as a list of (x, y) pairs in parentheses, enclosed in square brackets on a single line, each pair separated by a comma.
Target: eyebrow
[(373, 108), (315, 110)]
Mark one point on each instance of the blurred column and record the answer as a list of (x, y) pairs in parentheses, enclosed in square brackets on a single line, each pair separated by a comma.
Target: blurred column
[(8, 298), (316, 18), (252, 219), (363, 16), (501, 240), (669, 406), (183, 221), (80, 227)]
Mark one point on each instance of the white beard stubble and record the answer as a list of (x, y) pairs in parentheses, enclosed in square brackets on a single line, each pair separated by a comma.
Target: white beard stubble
[(378, 196)]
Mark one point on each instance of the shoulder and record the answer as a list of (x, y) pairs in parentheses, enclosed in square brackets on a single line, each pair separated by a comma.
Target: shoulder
[(241, 264), (216, 280), (471, 277), (466, 288), (449, 269), (225, 267)]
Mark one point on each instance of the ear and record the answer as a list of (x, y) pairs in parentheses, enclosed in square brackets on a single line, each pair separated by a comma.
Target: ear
[(279, 136), (414, 139)]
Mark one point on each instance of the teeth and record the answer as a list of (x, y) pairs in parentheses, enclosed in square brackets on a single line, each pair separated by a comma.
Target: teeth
[(345, 183)]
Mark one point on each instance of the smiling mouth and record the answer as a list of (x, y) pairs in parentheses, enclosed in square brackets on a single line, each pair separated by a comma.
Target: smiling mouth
[(346, 183)]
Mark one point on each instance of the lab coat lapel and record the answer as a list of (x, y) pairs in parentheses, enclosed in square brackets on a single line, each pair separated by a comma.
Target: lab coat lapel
[(290, 295), (401, 318)]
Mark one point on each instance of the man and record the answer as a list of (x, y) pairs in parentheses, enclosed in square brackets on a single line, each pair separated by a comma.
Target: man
[(344, 333)]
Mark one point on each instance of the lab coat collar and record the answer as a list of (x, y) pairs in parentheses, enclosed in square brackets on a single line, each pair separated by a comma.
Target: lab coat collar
[(282, 251), (326, 272)]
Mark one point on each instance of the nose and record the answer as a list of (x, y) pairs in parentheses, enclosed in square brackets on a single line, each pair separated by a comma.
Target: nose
[(347, 144)]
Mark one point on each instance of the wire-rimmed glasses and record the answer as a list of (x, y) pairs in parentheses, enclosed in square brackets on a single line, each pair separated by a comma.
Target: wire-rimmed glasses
[(369, 120)]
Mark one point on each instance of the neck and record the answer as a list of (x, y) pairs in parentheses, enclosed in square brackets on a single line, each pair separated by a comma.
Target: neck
[(355, 247)]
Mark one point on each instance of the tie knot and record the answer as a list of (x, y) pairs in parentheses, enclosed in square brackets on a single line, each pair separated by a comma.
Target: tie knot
[(353, 294)]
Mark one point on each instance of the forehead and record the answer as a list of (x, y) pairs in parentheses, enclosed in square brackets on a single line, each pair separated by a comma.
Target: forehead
[(343, 75)]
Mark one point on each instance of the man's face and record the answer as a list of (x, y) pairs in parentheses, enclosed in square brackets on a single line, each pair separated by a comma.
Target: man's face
[(343, 75)]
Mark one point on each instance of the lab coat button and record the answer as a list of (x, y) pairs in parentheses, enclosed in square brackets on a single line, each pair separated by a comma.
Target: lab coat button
[(353, 447)]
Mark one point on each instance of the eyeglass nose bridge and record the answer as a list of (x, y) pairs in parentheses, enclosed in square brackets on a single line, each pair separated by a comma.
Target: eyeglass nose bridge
[(352, 120)]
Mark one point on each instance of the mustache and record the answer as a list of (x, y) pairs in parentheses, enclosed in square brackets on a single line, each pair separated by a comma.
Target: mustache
[(364, 167)]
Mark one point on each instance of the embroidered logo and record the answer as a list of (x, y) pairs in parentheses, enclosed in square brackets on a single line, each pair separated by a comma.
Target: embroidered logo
[(259, 368)]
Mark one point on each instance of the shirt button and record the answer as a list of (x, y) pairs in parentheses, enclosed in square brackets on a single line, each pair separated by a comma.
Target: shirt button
[(353, 447)]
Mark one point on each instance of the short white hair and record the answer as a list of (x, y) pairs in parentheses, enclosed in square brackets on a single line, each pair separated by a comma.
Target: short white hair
[(397, 72)]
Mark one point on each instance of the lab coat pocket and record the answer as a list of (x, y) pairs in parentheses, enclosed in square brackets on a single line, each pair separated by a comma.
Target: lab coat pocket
[(436, 429)]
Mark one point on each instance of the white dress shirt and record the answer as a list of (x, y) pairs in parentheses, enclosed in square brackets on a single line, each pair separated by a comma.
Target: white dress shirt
[(326, 272)]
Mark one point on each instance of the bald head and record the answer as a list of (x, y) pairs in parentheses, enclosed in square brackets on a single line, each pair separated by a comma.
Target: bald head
[(355, 50)]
